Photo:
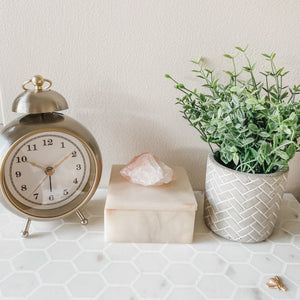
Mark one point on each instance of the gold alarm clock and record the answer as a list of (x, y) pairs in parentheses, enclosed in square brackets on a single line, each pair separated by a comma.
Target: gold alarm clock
[(50, 164)]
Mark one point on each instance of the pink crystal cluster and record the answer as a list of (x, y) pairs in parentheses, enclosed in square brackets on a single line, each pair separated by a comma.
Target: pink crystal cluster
[(147, 170)]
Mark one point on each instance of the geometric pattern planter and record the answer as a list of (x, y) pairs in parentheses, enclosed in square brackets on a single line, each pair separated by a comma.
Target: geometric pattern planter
[(242, 206)]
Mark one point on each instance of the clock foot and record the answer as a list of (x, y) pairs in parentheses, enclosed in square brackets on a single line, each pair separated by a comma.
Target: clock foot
[(82, 218), (25, 232)]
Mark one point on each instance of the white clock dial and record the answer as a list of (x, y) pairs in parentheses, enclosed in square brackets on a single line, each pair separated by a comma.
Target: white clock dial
[(47, 170)]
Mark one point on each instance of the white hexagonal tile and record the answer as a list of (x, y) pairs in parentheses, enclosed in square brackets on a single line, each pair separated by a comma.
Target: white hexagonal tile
[(287, 253), (96, 224), (70, 231), (49, 293), (149, 246), (294, 204), (19, 284), (57, 272), (234, 252), (293, 273), (39, 240), (292, 226), (264, 246), (182, 274), (188, 293), (120, 273), (152, 286), (44, 226), (73, 218), (291, 292), (91, 261), (209, 263), (280, 235), (5, 269), (120, 251), (118, 292), (63, 250), (150, 262), (12, 230), (243, 274), (267, 263), (287, 213), (216, 286), (92, 241), (86, 285), (178, 252), (297, 241), (205, 242), (29, 260), (4, 220), (9, 249), (245, 293)]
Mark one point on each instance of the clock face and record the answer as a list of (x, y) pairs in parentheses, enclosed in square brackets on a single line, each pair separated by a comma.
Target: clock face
[(47, 170)]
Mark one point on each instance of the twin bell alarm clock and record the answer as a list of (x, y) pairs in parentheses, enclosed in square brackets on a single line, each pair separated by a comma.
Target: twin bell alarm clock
[(50, 164)]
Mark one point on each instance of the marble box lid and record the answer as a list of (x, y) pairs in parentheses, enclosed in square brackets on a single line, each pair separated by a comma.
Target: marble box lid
[(175, 196)]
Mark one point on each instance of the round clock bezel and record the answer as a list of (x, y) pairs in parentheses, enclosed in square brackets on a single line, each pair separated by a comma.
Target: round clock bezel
[(62, 211)]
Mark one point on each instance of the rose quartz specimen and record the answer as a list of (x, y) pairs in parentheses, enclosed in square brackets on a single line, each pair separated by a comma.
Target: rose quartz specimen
[(146, 169)]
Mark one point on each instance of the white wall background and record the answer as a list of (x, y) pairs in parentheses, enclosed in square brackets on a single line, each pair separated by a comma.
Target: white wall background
[(108, 58)]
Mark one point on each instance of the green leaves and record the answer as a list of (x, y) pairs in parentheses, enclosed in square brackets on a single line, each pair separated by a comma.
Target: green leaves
[(254, 124), (228, 56)]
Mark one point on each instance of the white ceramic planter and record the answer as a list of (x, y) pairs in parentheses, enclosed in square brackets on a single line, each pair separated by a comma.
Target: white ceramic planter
[(242, 206)]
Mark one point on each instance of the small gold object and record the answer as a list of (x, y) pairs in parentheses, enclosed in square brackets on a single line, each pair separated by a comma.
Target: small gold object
[(37, 81), (276, 283)]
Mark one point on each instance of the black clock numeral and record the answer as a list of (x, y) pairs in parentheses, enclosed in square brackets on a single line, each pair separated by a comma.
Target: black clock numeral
[(18, 174), (36, 195), (66, 192), (74, 154), (75, 181), (48, 142), (78, 167), (62, 145), (23, 188), (31, 147), (21, 159), (51, 197)]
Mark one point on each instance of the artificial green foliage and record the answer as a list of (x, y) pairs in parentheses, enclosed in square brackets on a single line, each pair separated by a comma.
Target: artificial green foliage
[(254, 124)]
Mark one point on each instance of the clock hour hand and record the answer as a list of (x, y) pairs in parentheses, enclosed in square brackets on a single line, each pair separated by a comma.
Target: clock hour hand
[(50, 182), (36, 165)]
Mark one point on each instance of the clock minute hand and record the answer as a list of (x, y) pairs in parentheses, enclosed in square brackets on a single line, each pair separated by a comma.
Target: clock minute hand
[(57, 165)]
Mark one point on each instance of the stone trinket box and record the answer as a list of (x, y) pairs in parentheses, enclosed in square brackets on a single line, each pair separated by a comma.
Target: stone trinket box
[(152, 214)]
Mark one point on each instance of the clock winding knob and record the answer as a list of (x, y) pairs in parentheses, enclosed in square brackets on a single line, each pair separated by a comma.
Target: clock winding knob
[(38, 82)]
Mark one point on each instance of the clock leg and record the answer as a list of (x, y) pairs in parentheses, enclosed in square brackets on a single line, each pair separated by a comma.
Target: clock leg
[(82, 218), (25, 232)]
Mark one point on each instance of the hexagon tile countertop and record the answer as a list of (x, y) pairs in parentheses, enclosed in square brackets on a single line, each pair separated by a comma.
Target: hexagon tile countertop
[(63, 259)]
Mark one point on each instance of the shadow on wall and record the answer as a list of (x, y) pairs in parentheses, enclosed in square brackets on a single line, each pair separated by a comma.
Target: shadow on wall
[(194, 161)]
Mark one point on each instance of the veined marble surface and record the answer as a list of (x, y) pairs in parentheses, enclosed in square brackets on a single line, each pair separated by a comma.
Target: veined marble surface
[(149, 214), (63, 259)]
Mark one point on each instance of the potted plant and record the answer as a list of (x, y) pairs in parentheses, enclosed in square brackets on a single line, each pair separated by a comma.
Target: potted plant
[(252, 127)]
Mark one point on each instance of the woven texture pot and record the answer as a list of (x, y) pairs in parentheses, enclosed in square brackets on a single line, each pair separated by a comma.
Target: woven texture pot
[(241, 206)]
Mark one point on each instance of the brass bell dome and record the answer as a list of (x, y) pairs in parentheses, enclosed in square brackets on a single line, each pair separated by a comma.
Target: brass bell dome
[(39, 100)]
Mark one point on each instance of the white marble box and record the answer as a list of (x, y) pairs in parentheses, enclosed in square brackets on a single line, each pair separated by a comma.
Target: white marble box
[(155, 214)]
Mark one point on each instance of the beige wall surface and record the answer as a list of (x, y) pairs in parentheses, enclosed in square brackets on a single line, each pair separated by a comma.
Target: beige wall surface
[(108, 58)]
